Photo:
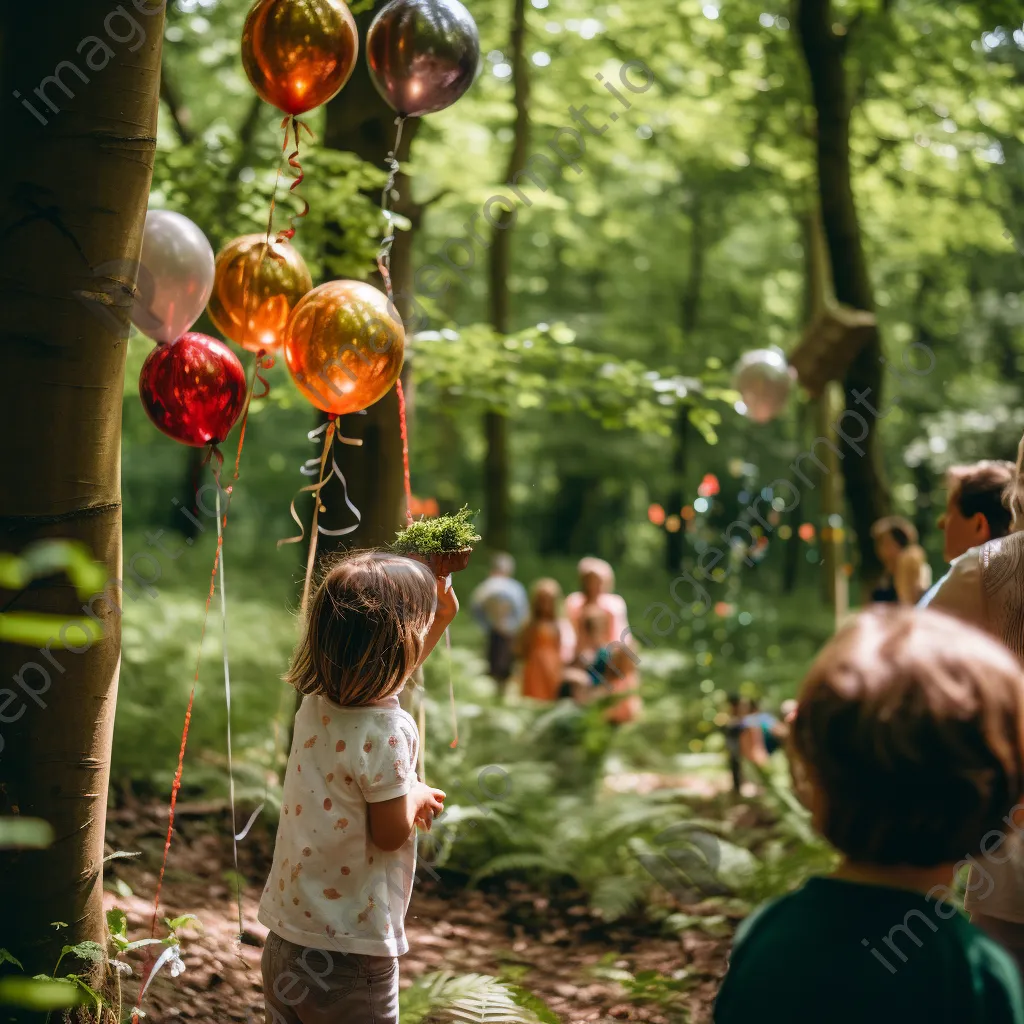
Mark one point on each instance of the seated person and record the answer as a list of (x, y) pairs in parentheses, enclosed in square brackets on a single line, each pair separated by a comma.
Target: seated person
[(599, 668)]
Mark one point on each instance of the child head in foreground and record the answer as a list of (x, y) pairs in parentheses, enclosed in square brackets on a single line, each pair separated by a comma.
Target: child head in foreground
[(346, 852), (908, 749)]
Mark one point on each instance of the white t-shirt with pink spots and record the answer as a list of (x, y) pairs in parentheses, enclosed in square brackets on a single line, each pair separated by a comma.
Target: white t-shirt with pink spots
[(330, 887)]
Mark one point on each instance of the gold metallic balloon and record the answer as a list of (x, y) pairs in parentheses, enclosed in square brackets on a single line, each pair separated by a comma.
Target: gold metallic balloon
[(299, 53), (343, 347), (255, 288)]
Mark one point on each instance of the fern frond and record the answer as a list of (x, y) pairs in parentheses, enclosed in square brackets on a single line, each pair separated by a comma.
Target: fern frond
[(470, 999), (616, 896), (519, 862)]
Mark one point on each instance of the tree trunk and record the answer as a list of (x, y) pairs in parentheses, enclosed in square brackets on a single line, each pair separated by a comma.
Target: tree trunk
[(360, 122), (689, 312), (496, 459), (866, 489), (72, 207)]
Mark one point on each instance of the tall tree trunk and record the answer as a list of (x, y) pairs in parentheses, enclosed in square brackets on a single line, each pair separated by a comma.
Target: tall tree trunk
[(496, 459), (360, 122), (689, 312), (72, 209), (866, 489)]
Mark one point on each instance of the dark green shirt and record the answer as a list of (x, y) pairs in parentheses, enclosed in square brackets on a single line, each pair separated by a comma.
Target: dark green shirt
[(837, 952)]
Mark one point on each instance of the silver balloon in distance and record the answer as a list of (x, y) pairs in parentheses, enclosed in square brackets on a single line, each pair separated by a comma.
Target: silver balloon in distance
[(175, 276), (422, 54), (764, 380)]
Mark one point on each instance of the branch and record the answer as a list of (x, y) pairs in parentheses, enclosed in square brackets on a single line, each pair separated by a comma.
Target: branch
[(179, 113)]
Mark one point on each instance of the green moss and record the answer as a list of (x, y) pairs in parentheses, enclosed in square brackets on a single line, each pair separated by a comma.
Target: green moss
[(445, 533)]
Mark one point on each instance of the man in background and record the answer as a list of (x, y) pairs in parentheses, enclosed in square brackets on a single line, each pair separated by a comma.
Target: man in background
[(975, 510), (500, 606)]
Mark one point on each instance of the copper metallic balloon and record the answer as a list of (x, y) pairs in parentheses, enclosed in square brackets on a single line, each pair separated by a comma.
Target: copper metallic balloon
[(764, 380), (423, 54), (299, 53), (255, 289), (343, 347)]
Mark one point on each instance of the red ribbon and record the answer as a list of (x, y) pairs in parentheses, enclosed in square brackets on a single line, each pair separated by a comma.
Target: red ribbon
[(404, 428)]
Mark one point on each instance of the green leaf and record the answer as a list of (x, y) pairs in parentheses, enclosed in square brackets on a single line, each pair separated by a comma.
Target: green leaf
[(122, 855), (174, 923), (139, 943), (534, 1004), (25, 833), (7, 957), (36, 629), (87, 950), (41, 993), (117, 923)]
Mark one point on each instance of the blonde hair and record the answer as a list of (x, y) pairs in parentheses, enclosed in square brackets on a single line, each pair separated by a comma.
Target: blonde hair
[(365, 628), (591, 566)]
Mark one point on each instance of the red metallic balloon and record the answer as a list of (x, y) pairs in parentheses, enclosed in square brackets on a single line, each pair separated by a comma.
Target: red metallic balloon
[(193, 389), (299, 53)]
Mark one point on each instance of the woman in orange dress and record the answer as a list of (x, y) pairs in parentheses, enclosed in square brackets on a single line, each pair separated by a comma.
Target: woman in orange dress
[(546, 643)]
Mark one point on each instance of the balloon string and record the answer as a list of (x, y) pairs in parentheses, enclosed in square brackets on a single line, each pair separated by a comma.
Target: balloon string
[(389, 193), (227, 699), (263, 362), (404, 427), (314, 535), (295, 164), (451, 685), (213, 453)]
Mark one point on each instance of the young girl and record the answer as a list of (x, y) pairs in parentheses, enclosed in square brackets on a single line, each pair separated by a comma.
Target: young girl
[(546, 643), (345, 855)]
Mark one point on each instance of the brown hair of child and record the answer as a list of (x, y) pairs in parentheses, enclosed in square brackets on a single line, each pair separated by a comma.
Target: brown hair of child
[(909, 735), (365, 628)]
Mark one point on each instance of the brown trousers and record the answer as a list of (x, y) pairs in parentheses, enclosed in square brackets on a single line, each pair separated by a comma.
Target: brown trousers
[(318, 986)]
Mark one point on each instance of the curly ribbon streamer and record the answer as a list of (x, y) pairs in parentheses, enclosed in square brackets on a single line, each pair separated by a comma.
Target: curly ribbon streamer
[(384, 254), (169, 954), (404, 428), (295, 164), (318, 468)]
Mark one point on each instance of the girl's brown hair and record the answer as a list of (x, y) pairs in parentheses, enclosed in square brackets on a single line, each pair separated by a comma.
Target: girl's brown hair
[(910, 728), (365, 628)]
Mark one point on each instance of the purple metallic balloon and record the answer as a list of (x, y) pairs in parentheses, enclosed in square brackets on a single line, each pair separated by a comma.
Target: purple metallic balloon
[(423, 54)]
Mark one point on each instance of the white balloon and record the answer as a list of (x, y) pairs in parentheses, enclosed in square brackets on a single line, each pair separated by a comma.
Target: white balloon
[(764, 380), (175, 276)]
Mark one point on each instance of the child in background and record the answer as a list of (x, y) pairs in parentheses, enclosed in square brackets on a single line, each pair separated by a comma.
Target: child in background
[(605, 667), (733, 729), (546, 643), (345, 853), (908, 748)]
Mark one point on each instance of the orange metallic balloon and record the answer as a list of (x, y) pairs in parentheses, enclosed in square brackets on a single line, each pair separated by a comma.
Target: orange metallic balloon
[(299, 53), (255, 289), (344, 347)]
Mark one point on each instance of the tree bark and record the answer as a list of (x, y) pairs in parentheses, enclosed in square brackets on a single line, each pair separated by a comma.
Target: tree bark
[(866, 490), (689, 312), (496, 460), (72, 208), (360, 122)]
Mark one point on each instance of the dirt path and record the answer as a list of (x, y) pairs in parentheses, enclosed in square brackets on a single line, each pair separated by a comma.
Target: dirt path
[(549, 946)]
